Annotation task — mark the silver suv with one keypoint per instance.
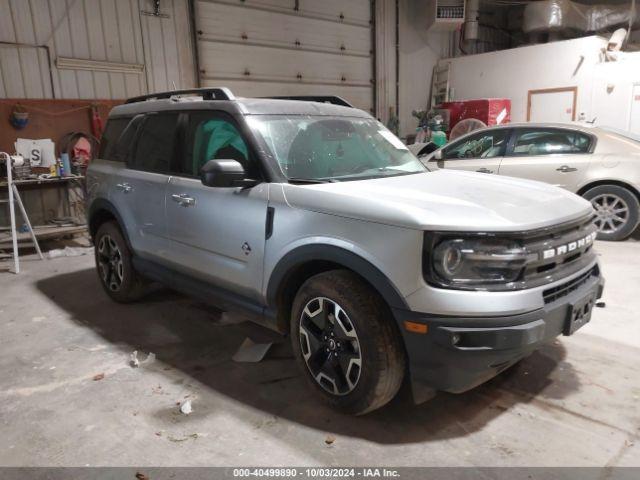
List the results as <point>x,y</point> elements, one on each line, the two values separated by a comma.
<point>315,220</point>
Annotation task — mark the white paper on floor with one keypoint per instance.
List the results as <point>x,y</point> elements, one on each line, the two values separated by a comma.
<point>70,252</point>
<point>251,352</point>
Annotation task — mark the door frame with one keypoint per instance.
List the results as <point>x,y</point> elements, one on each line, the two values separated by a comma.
<point>633,87</point>
<point>542,91</point>
<point>514,134</point>
<point>508,138</point>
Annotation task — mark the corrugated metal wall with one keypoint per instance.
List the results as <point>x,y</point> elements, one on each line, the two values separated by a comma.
<point>112,31</point>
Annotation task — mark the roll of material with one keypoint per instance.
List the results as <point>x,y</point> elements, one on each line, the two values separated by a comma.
<point>66,163</point>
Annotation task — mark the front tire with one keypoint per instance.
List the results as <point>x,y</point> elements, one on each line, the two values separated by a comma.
<point>617,211</point>
<point>113,263</point>
<point>346,342</point>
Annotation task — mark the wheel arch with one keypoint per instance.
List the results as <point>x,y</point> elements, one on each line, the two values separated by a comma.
<point>306,261</point>
<point>100,211</point>
<point>619,183</point>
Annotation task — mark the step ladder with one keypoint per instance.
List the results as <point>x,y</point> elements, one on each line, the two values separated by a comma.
<point>440,90</point>
<point>14,197</point>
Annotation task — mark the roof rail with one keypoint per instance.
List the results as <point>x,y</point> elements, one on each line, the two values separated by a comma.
<point>221,93</point>
<point>317,98</point>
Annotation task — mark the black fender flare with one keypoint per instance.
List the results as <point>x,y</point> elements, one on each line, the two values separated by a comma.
<point>102,204</point>
<point>330,253</point>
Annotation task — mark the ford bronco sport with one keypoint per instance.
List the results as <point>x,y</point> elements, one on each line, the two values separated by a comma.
<point>314,219</point>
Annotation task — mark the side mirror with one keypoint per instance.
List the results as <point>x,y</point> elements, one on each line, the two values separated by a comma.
<point>437,155</point>
<point>225,174</point>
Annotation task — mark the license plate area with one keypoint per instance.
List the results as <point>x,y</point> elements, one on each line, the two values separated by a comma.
<point>579,313</point>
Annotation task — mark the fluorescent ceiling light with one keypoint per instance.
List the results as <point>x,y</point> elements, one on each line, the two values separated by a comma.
<point>66,63</point>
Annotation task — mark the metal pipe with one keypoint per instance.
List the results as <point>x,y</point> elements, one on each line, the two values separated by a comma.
<point>397,112</point>
<point>12,213</point>
<point>194,41</point>
<point>374,53</point>
<point>632,17</point>
<point>471,20</point>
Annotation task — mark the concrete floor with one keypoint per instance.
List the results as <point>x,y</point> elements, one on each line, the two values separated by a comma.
<point>575,402</point>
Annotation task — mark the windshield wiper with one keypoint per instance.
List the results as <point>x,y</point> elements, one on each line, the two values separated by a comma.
<point>371,175</point>
<point>307,180</point>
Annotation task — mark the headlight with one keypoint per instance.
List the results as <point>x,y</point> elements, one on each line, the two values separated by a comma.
<point>475,263</point>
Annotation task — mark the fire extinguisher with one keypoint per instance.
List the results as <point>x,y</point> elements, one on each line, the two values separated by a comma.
<point>96,122</point>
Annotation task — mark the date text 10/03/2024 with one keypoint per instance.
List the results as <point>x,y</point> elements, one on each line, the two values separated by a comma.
<point>317,472</point>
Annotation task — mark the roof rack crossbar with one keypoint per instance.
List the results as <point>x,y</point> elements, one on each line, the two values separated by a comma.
<point>335,100</point>
<point>221,93</point>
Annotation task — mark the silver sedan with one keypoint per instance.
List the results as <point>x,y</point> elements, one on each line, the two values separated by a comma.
<point>600,164</point>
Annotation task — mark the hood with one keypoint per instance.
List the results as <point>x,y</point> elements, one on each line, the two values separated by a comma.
<point>444,200</point>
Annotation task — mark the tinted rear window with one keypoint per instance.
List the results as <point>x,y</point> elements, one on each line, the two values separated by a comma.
<point>155,145</point>
<point>122,149</point>
<point>542,141</point>
<point>112,132</point>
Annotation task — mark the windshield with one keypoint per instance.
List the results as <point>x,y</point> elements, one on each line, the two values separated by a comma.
<point>331,149</point>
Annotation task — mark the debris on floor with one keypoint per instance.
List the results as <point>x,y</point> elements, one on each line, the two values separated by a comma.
<point>182,439</point>
<point>229,319</point>
<point>135,362</point>
<point>601,304</point>
<point>186,407</point>
<point>330,439</point>
<point>70,252</point>
<point>97,377</point>
<point>278,379</point>
<point>158,390</point>
<point>251,352</point>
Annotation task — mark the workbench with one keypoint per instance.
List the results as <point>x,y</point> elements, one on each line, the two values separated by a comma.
<point>47,231</point>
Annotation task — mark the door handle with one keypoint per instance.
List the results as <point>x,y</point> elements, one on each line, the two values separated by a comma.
<point>566,169</point>
<point>124,187</point>
<point>183,199</point>
<point>484,170</point>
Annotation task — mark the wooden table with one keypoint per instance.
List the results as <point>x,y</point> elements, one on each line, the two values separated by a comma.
<point>45,231</point>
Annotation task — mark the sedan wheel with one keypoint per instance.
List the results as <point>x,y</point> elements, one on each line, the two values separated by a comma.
<point>617,211</point>
<point>612,212</point>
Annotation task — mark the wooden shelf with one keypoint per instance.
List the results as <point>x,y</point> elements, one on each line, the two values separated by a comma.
<point>41,181</point>
<point>42,233</point>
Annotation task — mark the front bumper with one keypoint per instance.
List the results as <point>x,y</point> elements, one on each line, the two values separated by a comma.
<point>486,345</point>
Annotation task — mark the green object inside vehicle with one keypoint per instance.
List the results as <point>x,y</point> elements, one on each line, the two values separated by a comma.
<point>213,136</point>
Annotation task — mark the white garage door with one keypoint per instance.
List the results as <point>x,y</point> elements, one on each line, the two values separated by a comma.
<point>287,47</point>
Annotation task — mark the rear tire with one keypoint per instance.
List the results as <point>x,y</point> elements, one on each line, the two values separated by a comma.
<point>113,264</point>
<point>617,211</point>
<point>345,340</point>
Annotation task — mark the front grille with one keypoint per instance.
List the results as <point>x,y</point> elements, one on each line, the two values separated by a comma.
<point>552,294</point>
<point>558,253</point>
